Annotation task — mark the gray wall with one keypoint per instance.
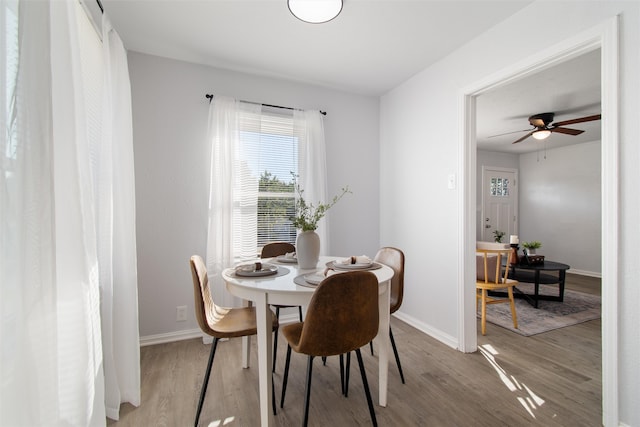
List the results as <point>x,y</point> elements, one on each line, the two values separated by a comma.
<point>560,205</point>
<point>559,202</point>
<point>172,171</point>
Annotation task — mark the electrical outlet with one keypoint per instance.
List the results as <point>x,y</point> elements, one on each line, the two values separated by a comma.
<point>181,313</point>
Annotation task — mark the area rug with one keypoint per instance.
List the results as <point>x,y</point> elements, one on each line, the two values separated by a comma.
<point>577,307</point>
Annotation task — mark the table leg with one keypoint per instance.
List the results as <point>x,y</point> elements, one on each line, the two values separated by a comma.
<point>382,339</point>
<point>246,342</point>
<point>263,315</point>
<point>561,279</point>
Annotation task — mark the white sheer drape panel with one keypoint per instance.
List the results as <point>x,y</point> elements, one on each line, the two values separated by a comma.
<point>117,251</point>
<point>51,352</point>
<point>28,303</point>
<point>67,223</point>
<point>312,164</point>
<point>223,133</point>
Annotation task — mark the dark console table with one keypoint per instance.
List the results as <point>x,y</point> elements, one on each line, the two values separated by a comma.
<point>534,274</point>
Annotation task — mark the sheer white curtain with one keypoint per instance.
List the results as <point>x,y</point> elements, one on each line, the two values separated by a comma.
<point>312,165</point>
<point>117,231</point>
<point>52,350</point>
<point>231,193</point>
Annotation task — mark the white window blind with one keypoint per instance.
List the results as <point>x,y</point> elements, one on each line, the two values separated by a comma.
<point>268,157</point>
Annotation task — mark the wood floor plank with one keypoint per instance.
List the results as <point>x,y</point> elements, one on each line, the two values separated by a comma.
<point>550,379</point>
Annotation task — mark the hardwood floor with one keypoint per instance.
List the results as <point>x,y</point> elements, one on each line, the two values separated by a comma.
<point>550,379</point>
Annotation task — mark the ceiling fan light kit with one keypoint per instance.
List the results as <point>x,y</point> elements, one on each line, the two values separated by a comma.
<point>315,11</point>
<point>541,134</point>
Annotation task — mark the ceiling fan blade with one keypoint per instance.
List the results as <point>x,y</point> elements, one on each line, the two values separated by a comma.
<point>567,131</point>
<point>579,120</point>
<point>523,138</point>
<point>509,133</point>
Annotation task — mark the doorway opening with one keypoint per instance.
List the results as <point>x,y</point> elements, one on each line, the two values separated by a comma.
<point>604,37</point>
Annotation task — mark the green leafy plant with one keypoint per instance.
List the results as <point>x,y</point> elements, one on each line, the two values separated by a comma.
<point>307,215</point>
<point>534,244</point>
<point>498,235</point>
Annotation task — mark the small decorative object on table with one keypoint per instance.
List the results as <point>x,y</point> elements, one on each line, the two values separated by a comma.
<point>513,242</point>
<point>528,259</point>
<point>498,235</point>
<point>532,246</point>
<point>306,219</point>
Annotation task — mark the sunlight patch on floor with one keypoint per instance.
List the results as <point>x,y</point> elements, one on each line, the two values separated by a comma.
<point>527,398</point>
<point>218,423</point>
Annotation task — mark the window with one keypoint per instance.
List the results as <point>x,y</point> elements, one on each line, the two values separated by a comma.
<point>499,187</point>
<point>269,156</point>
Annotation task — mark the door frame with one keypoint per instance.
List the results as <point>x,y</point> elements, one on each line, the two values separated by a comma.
<point>483,207</point>
<point>605,37</point>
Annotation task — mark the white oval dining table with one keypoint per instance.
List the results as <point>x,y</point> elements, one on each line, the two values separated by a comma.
<point>281,289</point>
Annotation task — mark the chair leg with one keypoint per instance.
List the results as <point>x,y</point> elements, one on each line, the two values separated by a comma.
<point>371,346</point>
<point>513,307</point>
<point>285,376</point>
<point>203,390</point>
<point>275,341</point>
<point>366,389</point>
<point>273,396</point>
<point>395,352</point>
<point>307,394</point>
<point>346,375</point>
<point>300,312</point>
<point>342,373</point>
<point>483,309</point>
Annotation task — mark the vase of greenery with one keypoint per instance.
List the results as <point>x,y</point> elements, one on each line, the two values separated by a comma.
<point>532,246</point>
<point>306,220</point>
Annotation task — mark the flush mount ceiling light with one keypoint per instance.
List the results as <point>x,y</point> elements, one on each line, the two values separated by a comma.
<point>315,11</point>
<point>541,134</point>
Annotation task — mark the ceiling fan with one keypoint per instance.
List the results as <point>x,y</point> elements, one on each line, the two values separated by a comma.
<point>543,126</point>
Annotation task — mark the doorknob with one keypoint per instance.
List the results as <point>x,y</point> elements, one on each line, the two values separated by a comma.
<point>487,226</point>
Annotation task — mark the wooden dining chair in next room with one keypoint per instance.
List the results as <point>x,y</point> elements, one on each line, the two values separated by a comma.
<point>271,250</point>
<point>342,316</point>
<point>218,322</point>
<point>492,271</point>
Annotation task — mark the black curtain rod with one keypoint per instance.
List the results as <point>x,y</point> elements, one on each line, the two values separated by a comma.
<point>210,98</point>
<point>100,6</point>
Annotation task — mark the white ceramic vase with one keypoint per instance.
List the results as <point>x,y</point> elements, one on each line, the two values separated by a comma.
<point>308,250</point>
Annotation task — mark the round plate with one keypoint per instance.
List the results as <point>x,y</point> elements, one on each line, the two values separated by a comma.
<point>283,258</point>
<point>357,266</point>
<point>249,270</point>
<point>314,278</point>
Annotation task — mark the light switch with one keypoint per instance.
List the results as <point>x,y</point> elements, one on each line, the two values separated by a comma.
<point>451,182</point>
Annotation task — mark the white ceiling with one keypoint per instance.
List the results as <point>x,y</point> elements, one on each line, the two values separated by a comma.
<point>570,90</point>
<point>370,48</point>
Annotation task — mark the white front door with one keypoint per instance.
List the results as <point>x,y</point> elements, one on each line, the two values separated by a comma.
<point>499,202</point>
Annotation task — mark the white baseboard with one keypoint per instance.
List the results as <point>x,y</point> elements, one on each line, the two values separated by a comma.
<point>423,327</point>
<point>585,273</point>
<point>170,337</point>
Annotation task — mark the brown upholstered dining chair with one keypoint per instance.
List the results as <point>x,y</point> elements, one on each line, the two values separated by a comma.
<point>271,250</point>
<point>492,271</point>
<point>393,258</point>
<point>342,316</point>
<point>218,322</point>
